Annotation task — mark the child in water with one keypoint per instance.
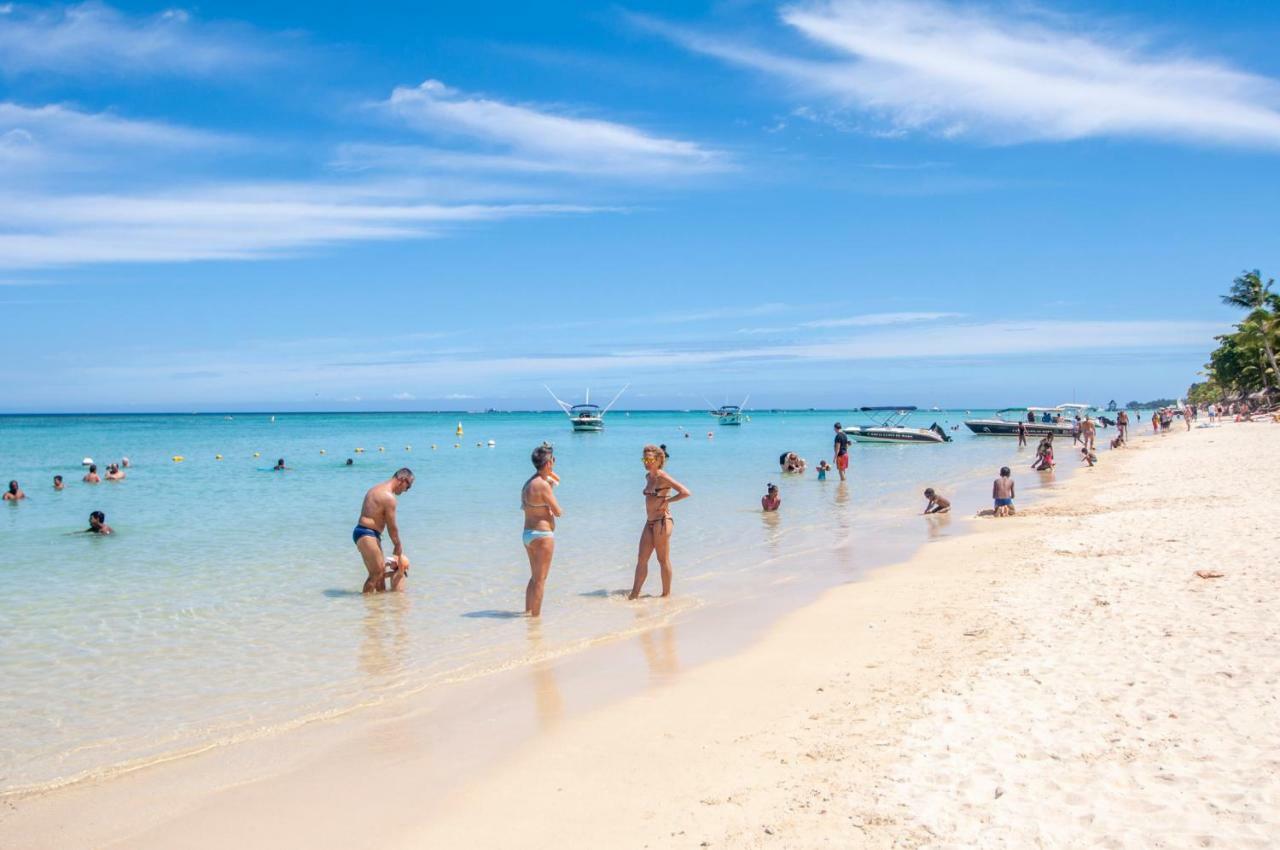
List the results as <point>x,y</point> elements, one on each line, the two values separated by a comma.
<point>823,469</point>
<point>1087,455</point>
<point>1002,493</point>
<point>937,504</point>
<point>771,501</point>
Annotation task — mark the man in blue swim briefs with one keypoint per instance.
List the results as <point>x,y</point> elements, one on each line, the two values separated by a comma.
<point>376,514</point>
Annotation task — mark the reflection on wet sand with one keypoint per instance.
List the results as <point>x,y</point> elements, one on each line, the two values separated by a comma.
<point>937,525</point>
<point>772,522</point>
<point>548,702</point>
<point>659,647</point>
<point>386,637</point>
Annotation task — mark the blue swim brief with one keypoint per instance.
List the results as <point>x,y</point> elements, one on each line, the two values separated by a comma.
<point>361,531</point>
<point>1000,503</point>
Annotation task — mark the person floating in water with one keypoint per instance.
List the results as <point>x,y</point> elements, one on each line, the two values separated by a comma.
<point>1002,492</point>
<point>841,449</point>
<point>937,504</point>
<point>57,482</point>
<point>98,524</point>
<point>378,513</point>
<point>91,477</point>
<point>538,501</point>
<point>280,467</point>
<point>14,493</point>
<point>659,525</point>
<point>350,462</point>
<point>771,501</point>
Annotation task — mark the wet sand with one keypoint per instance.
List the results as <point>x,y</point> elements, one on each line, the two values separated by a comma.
<point>1057,679</point>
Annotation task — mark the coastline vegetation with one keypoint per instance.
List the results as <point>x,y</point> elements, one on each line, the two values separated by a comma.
<point>1244,363</point>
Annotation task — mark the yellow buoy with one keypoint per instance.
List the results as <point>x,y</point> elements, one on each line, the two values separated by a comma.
<point>359,451</point>
<point>459,431</point>
<point>382,448</point>
<point>322,451</point>
<point>257,454</point>
<point>457,445</point>
<point>217,457</point>
<point>433,447</point>
<point>408,448</point>
<point>178,458</point>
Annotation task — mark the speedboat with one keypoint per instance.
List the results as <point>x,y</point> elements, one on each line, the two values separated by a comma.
<point>587,416</point>
<point>728,414</point>
<point>1039,421</point>
<point>887,426</point>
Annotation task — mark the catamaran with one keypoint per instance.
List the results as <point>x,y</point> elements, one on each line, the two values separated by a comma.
<point>587,416</point>
<point>1040,421</point>
<point>887,426</point>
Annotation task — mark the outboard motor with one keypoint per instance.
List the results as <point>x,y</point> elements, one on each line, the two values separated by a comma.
<point>946,438</point>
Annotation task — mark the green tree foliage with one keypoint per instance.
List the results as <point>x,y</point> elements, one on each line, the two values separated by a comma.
<point>1245,360</point>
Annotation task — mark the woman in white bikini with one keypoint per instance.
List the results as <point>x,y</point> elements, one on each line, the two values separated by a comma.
<point>658,527</point>
<point>540,512</point>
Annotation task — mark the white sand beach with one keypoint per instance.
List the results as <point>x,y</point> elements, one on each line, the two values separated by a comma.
<point>1058,679</point>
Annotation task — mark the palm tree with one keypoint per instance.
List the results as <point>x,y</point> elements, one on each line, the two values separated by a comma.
<point>1248,292</point>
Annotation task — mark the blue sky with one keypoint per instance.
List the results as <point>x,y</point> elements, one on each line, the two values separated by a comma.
<point>284,206</point>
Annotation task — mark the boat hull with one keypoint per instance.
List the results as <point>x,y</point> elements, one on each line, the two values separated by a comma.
<point>893,435</point>
<point>1003,428</point>
<point>588,426</point>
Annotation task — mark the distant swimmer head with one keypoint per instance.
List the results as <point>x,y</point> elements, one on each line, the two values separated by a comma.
<point>57,479</point>
<point>403,480</point>
<point>654,457</point>
<point>350,462</point>
<point>97,519</point>
<point>13,486</point>
<point>665,453</point>
<point>1004,472</point>
<point>93,467</point>
<point>543,457</point>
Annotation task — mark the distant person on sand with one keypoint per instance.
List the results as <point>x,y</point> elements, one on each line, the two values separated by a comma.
<point>540,511</point>
<point>14,493</point>
<point>98,524</point>
<point>378,512</point>
<point>1002,493</point>
<point>57,482</point>
<point>1088,432</point>
<point>937,504</point>
<point>841,448</point>
<point>771,501</point>
<point>91,477</point>
<point>659,525</point>
<point>1122,424</point>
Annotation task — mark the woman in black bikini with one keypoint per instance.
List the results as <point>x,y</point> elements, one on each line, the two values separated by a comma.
<point>656,536</point>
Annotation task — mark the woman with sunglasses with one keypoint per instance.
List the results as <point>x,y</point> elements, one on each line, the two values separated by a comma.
<point>659,525</point>
<point>540,511</point>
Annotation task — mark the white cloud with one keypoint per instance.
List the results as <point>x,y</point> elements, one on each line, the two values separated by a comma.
<point>966,70</point>
<point>867,320</point>
<point>236,222</point>
<point>538,138</point>
<point>402,396</point>
<point>95,39</point>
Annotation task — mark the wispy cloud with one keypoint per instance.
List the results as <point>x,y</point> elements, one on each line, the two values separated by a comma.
<point>236,222</point>
<point>868,320</point>
<point>93,38</point>
<point>534,137</point>
<point>1007,76</point>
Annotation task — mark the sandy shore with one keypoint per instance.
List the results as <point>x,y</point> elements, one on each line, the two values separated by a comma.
<point>1059,679</point>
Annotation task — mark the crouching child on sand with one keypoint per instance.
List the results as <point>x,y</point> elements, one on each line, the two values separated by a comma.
<point>937,504</point>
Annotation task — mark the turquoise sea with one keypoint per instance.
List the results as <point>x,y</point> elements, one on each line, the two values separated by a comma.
<point>227,603</point>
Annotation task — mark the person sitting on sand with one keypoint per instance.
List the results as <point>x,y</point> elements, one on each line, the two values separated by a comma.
<point>14,493</point>
<point>1002,492</point>
<point>57,482</point>
<point>91,477</point>
<point>771,501</point>
<point>114,473</point>
<point>378,513</point>
<point>98,524</point>
<point>823,469</point>
<point>937,504</point>
<point>1087,455</point>
<point>655,538</point>
<point>538,501</point>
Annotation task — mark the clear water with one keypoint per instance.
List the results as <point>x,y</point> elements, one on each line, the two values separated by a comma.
<point>227,603</point>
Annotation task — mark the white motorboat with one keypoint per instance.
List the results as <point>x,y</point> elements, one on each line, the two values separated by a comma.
<point>587,416</point>
<point>1039,421</point>
<point>888,426</point>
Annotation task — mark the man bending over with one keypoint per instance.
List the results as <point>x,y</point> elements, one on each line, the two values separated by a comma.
<point>376,514</point>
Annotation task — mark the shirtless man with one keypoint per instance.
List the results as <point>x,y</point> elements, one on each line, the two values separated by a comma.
<point>1002,492</point>
<point>376,514</point>
<point>114,473</point>
<point>937,504</point>
<point>14,493</point>
<point>91,477</point>
<point>57,482</point>
<point>1088,432</point>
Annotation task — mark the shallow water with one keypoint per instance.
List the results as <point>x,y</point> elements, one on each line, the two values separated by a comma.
<point>227,604</point>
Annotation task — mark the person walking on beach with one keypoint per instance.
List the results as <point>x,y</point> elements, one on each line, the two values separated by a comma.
<point>378,513</point>
<point>14,493</point>
<point>1122,424</point>
<point>841,448</point>
<point>1088,432</point>
<point>1002,492</point>
<point>659,525</point>
<point>1022,433</point>
<point>540,511</point>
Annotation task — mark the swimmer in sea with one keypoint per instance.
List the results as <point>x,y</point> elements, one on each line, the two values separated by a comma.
<point>378,513</point>
<point>540,507</point>
<point>771,501</point>
<point>659,525</point>
<point>350,462</point>
<point>57,482</point>
<point>98,524</point>
<point>114,473</point>
<point>14,493</point>
<point>937,504</point>
<point>279,467</point>
<point>1002,492</point>
<point>91,477</point>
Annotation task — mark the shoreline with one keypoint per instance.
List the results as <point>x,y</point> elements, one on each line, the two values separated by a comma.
<point>582,691</point>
